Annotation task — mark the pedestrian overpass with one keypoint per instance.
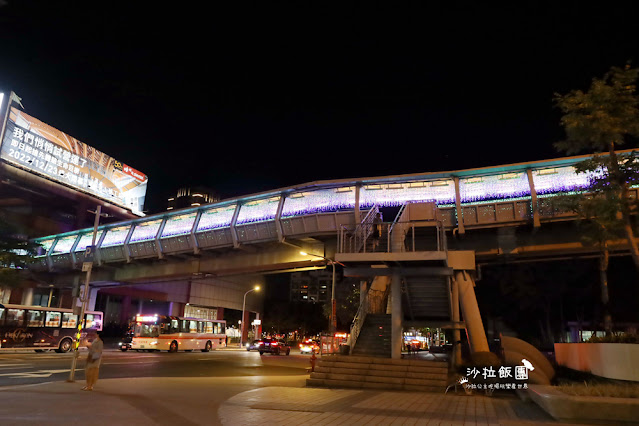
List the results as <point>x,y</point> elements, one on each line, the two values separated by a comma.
<point>424,260</point>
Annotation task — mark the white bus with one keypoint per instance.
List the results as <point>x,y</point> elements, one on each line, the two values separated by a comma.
<point>165,333</point>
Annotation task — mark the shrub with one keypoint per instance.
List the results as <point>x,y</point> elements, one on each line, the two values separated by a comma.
<point>614,390</point>
<point>615,338</point>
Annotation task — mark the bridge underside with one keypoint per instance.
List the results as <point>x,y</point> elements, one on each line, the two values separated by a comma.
<point>219,242</point>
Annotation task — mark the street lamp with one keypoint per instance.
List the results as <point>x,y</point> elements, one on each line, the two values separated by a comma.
<point>333,320</point>
<point>84,297</point>
<point>256,288</point>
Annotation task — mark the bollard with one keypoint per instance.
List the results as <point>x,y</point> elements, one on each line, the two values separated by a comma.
<point>313,360</point>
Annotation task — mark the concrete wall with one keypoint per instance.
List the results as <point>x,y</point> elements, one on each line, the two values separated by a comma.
<point>213,292</point>
<point>612,360</point>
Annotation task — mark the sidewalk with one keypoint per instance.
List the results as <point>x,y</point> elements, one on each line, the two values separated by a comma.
<point>244,401</point>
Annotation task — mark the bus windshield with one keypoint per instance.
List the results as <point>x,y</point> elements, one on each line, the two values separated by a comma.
<point>147,330</point>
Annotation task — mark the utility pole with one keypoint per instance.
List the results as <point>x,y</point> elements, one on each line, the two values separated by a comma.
<point>256,288</point>
<point>84,297</point>
<point>332,323</point>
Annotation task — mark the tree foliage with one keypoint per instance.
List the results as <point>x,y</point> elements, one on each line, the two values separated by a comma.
<point>285,317</point>
<point>346,307</point>
<point>602,119</point>
<point>607,114</point>
<point>537,299</point>
<point>16,252</point>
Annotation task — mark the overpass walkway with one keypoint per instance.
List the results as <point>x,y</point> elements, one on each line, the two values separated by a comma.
<point>503,196</point>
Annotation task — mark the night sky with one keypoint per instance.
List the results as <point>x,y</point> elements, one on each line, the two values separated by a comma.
<point>255,98</point>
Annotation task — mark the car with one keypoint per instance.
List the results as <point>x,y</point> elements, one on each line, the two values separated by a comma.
<point>125,343</point>
<point>309,346</point>
<point>253,346</point>
<point>274,346</point>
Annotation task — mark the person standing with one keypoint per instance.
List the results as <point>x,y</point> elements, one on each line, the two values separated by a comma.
<point>94,358</point>
<point>377,230</point>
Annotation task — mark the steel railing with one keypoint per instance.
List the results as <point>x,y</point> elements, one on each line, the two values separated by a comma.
<point>358,321</point>
<point>394,237</point>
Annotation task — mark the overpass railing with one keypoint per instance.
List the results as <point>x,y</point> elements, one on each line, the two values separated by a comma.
<point>492,196</point>
<point>393,237</point>
<point>189,232</point>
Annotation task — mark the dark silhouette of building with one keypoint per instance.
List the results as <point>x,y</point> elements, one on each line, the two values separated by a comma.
<point>192,197</point>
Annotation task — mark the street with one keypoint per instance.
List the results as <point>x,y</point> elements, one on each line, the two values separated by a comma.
<point>28,367</point>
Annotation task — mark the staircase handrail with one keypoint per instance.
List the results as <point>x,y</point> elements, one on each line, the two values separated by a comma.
<point>358,320</point>
<point>397,217</point>
<point>347,234</point>
<point>391,228</point>
<point>352,239</point>
<point>442,243</point>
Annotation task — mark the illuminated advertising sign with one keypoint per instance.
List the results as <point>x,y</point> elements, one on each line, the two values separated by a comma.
<point>46,151</point>
<point>146,318</point>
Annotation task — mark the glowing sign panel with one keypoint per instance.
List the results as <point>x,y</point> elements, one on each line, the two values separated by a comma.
<point>146,318</point>
<point>46,151</point>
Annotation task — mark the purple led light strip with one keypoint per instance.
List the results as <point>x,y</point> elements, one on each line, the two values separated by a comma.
<point>477,189</point>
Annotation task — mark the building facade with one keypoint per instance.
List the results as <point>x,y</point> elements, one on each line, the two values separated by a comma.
<point>192,197</point>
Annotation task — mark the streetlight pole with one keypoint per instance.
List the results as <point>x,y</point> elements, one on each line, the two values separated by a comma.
<point>256,288</point>
<point>333,320</point>
<point>84,297</point>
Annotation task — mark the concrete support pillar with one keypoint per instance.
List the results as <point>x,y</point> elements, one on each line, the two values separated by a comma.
<point>125,313</point>
<point>358,217</point>
<point>5,295</point>
<point>398,238</point>
<point>258,329</point>
<point>247,326</point>
<point>533,199</point>
<point>396,316</point>
<point>220,313</point>
<point>455,317</point>
<point>459,209</point>
<point>27,297</point>
<point>362,291</point>
<point>474,326</point>
<point>93,294</point>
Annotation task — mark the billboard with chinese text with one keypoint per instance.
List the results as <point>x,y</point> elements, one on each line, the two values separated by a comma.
<point>46,151</point>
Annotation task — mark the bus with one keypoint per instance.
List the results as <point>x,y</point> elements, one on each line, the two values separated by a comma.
<point>40,328</point>
<point>167,333</point>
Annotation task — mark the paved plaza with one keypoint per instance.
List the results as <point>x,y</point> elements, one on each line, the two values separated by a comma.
<point>243,401</point>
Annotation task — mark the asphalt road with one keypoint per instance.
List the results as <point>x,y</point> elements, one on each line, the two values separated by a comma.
<point>27,367</point>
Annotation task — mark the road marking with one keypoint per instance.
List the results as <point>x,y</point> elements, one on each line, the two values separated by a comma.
<point>36,374</point>
<point>5,388</point>
<point>15,365</point>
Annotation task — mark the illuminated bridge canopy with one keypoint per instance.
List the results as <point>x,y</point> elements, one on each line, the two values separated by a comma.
<point>485,197</point>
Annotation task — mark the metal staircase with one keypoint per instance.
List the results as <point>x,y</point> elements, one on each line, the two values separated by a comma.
<point>426,298</point>
<point>375,337</point>
<point>425,295</point>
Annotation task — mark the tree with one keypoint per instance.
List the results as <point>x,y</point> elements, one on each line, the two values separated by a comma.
<point>346,307</point>
<point>531,297</point>
<point>600,224</point>
<point>600,120</point>
<point>16,252</point>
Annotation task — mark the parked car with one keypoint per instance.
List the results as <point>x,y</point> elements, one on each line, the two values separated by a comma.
<point>254,345</point>
<point>274,346</point>
<point>309,346</point>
